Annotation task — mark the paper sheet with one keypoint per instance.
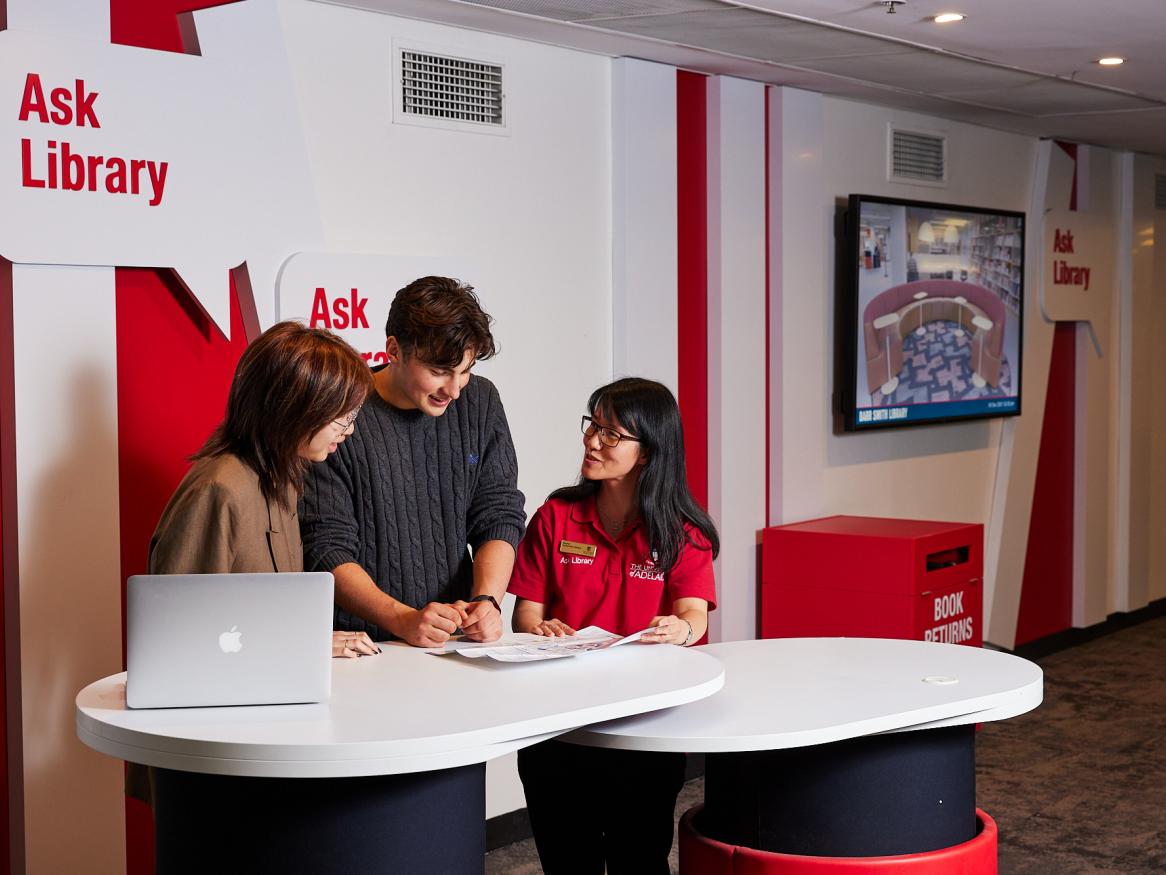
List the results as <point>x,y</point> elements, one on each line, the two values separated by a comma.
<point>525,647</point>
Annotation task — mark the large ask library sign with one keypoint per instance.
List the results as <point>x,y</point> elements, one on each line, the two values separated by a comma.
<point>120,156</point>
<point>1078,271</point>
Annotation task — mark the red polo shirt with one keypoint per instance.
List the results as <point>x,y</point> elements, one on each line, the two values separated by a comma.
<point>619,588</point>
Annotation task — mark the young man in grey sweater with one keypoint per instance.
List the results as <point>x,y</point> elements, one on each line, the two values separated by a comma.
<point>428,470</point>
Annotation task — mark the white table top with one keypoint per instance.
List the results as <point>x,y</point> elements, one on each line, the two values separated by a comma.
<point>404,710</point>
<point>983,322</point>
<point>919,296</point>
<point>794,692</point>
<point>885,320</point>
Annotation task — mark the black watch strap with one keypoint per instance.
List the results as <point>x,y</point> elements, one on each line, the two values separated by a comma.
<point>487,598</point>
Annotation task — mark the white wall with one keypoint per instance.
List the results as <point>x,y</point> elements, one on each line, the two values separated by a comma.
<point>1006,540</point>
<point>736,346</point>
<point>531,208</point>
<point>828,149</point>
<point>70,565</point>
<point>644,215</point>
<point>1147,465</point>
<point>64,375</point>
<point>831,148</point>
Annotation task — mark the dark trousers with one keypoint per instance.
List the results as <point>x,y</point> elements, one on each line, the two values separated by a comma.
<point>593,806</point>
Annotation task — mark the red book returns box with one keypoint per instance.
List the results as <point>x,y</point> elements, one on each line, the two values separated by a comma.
<point>868,577</point>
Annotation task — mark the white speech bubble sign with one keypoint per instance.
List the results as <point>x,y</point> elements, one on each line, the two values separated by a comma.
<point>223,128</point>
<point>1078,271</point>
<point>126,193</point>
<point>350,293</point>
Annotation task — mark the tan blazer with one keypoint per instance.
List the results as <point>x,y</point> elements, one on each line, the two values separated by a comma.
<point>218,521</point>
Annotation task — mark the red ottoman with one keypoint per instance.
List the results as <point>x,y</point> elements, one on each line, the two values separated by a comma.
<point>700,855</point>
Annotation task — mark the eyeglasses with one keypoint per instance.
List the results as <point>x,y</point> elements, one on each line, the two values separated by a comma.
<point>348,421</point>
<point>609,437</point>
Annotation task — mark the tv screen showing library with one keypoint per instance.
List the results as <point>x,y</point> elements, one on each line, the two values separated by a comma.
<point>937,308</point>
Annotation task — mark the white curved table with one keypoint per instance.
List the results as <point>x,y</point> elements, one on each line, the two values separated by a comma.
<point>397,750</point>
<point>838,746</point>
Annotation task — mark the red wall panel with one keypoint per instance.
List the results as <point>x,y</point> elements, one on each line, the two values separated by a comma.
<point>1046,595</point>
<point>8,566</point>
<point>692,274</point>
<point>174,370</point>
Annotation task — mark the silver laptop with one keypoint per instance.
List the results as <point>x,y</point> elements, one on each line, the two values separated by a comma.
<point>228,639</point>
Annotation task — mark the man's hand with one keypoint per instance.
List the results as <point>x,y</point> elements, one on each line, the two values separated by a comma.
<point>483,621</point>
<point>432,625</point>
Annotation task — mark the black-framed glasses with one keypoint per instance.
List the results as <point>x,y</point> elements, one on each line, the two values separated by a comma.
<point>609,437</point>
<point>347,422</point>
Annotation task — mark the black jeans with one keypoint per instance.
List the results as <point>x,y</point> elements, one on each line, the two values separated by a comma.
<point>590,807</point>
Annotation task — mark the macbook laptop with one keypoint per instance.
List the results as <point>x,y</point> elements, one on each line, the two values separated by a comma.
<point>228,639</point>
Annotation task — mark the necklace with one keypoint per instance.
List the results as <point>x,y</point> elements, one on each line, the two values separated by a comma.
<point>614,526</point>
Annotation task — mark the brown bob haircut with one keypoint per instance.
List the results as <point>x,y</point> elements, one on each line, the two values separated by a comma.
<point>437,319</point>
<point>289,383</point>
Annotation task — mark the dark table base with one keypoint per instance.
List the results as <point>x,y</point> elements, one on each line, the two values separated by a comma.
<point>422,822</point>
<point>881,795</point>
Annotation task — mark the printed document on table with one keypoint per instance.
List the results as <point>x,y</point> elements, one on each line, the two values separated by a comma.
<point>525,647</point>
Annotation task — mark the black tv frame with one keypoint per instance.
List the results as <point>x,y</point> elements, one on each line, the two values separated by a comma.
<point>847,317</point>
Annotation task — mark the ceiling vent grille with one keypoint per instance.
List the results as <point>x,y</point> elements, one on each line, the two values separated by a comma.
<point>918,157</point>
<point>452,89</point>
<point>1160,191</point>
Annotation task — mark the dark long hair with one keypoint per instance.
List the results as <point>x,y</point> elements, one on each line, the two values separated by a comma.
<point>648,410</point>
<point>289,383</point>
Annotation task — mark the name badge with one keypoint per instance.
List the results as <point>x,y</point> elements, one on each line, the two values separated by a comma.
<point>577,549</point>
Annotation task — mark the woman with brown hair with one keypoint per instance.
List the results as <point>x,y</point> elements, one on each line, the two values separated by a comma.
<point>293,400</point>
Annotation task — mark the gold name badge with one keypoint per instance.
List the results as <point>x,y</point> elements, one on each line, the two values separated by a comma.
<point>577,549</point>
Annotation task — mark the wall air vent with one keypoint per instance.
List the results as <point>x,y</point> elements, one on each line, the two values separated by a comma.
<point>1160,191</point>
<point>917,157</point>
<point>448,89</point>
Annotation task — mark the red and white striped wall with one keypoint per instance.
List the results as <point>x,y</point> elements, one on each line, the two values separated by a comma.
<point>722,201</point>
<point>745,333</point>
<point>689,283</point>
<point>112,378</point>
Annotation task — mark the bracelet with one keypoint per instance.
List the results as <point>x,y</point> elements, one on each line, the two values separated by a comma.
<point>688,637</point>
<point>489,598</point>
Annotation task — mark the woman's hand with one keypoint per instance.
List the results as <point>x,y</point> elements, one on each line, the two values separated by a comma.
<point>668,630</point>
<point>352,644</point>
<point>552,629</point>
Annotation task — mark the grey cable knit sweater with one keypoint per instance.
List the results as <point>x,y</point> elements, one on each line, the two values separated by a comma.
<point>406,493</point>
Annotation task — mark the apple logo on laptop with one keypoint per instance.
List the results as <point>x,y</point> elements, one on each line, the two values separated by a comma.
<point>231,642</point>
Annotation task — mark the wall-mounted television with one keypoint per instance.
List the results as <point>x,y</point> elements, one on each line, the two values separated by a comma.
<point>931,311</point>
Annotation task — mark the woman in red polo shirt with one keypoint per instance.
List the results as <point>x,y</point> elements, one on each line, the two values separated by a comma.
<point>626,548</point>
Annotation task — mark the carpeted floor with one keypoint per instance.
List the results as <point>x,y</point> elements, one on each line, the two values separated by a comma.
<point>1076,787</point>
<point>1079,785</point>
<point>938,366</point>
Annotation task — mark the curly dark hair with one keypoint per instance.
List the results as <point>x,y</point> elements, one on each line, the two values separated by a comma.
<point>437,319</point>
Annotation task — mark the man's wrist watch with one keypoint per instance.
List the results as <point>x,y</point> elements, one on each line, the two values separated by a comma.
<point>487,598</point>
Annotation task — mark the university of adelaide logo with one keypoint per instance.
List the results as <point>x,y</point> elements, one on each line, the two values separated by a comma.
<point>646,570</point>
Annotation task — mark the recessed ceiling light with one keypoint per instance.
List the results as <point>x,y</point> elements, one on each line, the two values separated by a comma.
<point>1111,62</point>
<point>948,18</point>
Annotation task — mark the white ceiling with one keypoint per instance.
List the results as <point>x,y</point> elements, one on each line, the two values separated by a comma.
<point>1018,65</point>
